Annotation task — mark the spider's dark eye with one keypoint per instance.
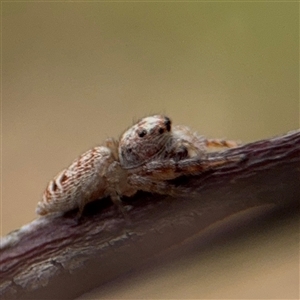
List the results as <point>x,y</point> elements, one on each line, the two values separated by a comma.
<point>168,123</point>
<point>142,133</point>
<point>161,130</point>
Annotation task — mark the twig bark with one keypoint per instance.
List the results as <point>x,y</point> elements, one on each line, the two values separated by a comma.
<point>58,258</point>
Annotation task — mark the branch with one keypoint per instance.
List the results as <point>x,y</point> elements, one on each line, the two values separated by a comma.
<point>43,259</point>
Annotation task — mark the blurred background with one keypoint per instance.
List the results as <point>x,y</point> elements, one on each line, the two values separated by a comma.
<point>74,74</point>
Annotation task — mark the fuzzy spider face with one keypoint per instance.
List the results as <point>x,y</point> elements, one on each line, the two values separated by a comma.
<point>144,141</point>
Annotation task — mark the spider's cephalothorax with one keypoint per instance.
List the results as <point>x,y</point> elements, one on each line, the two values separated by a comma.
<point>153,138</point>
<point>146,140</point>
<point>147,156</point>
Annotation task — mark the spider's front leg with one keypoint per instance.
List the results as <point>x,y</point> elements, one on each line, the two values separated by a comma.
<point>155,176</point>
<point>159,170</point>
<point>215,144</point>
<point>151,185</point>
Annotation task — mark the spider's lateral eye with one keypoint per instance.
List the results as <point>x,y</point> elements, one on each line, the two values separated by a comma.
<point>161,130</point>
<point>168,123</point>
<point>142,133</point>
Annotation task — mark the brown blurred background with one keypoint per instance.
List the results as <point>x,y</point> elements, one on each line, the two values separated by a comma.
<point>74,74</point>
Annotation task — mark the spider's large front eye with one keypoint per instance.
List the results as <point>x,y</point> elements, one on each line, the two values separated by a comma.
<point>161,130</point>
<point>142,133</point>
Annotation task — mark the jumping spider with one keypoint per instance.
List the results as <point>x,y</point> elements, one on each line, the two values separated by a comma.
<point>146,157</point>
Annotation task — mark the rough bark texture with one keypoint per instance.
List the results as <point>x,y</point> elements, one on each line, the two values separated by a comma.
<point>58,258</point>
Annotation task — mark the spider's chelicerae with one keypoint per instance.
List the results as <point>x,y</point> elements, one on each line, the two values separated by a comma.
<point>146,157</point>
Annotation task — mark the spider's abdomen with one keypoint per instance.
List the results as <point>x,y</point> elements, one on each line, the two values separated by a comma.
<point>82,182</point>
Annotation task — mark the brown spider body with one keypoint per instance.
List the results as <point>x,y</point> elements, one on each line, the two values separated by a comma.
<point>147,155</point>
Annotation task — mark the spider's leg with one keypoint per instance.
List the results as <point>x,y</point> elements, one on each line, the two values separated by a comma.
<point>79,213</point>
<point>81,205</point>
<point>170,169</point>
<point>220,143</point>
<point>155,186</point>
<point>116,199</point>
